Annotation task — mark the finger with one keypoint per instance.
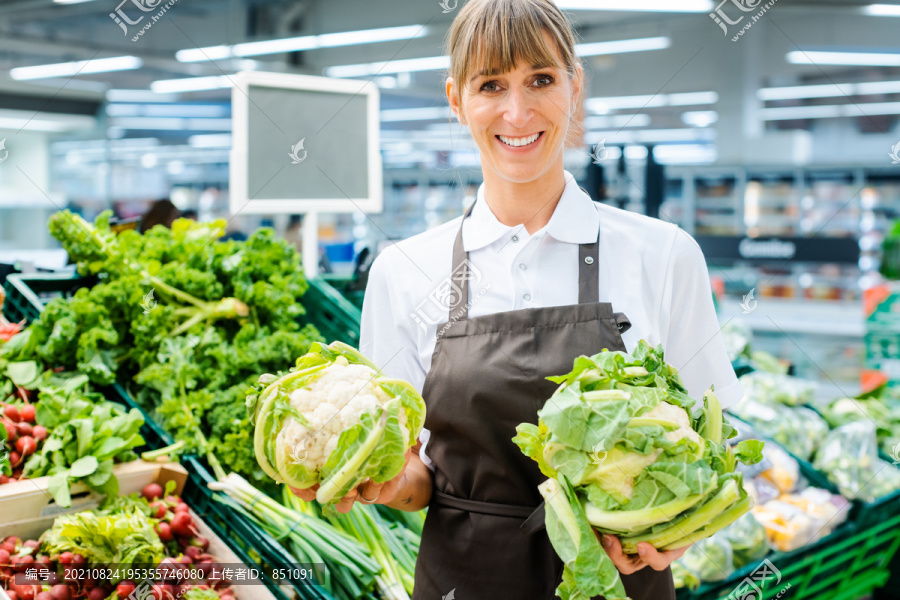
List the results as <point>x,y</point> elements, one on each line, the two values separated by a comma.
<point>625,563</point>
<point>345,504</point>
<point>307,494</point>
<point>658,561</point>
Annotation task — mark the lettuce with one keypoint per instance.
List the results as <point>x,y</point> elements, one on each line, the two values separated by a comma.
<point>627,454</point>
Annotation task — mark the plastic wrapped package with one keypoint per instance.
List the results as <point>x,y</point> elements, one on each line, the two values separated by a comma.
<point>748,540</point>
<point>737,335</point>
<point>684,577</point>
<point>822,505</point>
<point>883,410</point>
<point>761,490</point>
<point>784,473</point>
<point>787,526</point>
<point>778,388</point>
<point>797,428</point>
<point>849,458</point>
<point>710,559</point>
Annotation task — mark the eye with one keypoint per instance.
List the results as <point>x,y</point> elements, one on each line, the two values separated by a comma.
<point>543,80</point>
<point>489,86</point>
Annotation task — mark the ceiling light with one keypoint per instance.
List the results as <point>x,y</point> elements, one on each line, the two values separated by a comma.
<point>430,63</point>
<point>168,110</point>
<point>305,42</point>
<point>694,6</point>
<point>116,95</point>
<point>604,105</point>
<point>42,121</point>
<point>638,136</point>
<point>699,118</point>
<point>830,111</point>
<point>622,46</point>
<point>81,67</point>
<point>882,10</point>
<point>191,84</point>
<point>875,59</point>
<point>415,114</point>
<point>636,120</point>
<point>171,124</point>
<point>829,90</point>
<point>210,140</point>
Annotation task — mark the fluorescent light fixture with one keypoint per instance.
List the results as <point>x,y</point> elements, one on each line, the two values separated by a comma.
<point>81,67</point>
<point>693,6</point>
<point>210,140</point>
<point>636,120</point>
<point>171,124</point>
<point>42,121</point>
<point>830,111</point>
<point>699,118</point>
<point>622,46</point>
<point>168,110</point>
<point>191,84</point>
<point>604,105</point>
<point>70,1</point>
<point>117,95</point>
<point>829,90</point>
<point>875,59</point>
<point>415,114</point>
<point>644,136</point>
<point>429,63</point>
<point>305,42</point>
<point>882,10</point>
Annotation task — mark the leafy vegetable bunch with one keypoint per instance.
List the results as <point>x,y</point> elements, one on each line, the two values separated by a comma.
<point>626,456</point>
<point>190,319</point>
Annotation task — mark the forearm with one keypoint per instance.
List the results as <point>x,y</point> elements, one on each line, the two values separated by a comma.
<point>415,487</point>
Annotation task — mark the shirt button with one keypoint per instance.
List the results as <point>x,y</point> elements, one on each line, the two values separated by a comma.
<point>515,238</point>
<point>522,266</point>
<point>526,297</point>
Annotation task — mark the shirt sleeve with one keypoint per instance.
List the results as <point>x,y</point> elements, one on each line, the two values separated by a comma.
<point>387,335</point>
<point>693,340</point>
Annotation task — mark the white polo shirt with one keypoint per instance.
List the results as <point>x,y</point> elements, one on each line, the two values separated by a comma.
<point>652,271</point>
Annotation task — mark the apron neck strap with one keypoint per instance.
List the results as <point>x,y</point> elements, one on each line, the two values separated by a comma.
<point>588,274</point>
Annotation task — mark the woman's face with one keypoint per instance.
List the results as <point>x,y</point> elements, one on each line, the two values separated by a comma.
<point>519,119</point>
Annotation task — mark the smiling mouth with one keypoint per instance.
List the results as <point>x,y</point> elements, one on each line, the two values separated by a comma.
<point>520,141</point>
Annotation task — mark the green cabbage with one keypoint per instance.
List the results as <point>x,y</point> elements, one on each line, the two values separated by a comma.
<point>334,420</point>
<point>626,455</point>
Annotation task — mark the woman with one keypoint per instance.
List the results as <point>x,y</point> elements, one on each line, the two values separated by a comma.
<point>478,312</point>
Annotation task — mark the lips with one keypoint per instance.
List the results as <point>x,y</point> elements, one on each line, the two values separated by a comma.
<point>518,142</point>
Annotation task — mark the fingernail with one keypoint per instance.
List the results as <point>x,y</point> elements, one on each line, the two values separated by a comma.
<point>606,541</point>
<point>641,550</point>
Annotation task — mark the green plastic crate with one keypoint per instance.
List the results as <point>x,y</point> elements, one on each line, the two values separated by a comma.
<point>336,318</point>
<point>26,295</point>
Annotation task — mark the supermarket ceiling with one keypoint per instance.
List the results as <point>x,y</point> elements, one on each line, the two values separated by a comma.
<point>631,53</point>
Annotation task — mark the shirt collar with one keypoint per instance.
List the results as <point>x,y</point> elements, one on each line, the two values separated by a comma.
<point>575,220</point>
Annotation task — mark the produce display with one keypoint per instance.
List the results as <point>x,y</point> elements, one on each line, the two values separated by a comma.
<point>334,421</point>
<point>849,457</point>
<point>711,559</point>
<point>880,406</point>
<point>797,428</point>
<point>778,387</point>
<point>151,531</point>
<point>370,550</point>
<point>187,321</point>
<point>625,454</point>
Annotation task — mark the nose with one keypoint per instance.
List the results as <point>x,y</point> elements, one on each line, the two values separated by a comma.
<point>517,110</point>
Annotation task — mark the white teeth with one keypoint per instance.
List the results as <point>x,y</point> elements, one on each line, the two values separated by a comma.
<point>519,141</point>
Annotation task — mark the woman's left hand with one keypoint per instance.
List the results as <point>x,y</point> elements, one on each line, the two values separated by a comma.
<point>647,555</point>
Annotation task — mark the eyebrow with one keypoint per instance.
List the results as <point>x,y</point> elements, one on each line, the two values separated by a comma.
<point>489,74</point>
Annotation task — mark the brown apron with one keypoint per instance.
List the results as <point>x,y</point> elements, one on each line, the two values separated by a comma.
<point>484,535</point>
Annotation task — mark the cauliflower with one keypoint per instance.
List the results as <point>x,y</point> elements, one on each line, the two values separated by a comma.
<point>334,420</point>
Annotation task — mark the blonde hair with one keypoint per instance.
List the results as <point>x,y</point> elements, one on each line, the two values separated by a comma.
<point>491,36</point>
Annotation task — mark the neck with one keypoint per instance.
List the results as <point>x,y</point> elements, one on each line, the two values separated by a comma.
<point>530,204</point>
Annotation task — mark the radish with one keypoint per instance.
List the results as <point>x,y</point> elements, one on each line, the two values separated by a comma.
<point>164,531</point>
<point>24,428</point>
<point>27,592</point>
<point>11,433</point>
<point>15,458</point>
<point>33,544</point>
<point>44,596</point>
<point>26,413</point>
<point>4,479</point>
<point>4,557</point>
<point>78,560</point>
<point>157,509</point>
<point>24,562</point>
<point>97,594</point>
<point>152,491</point>
<point>12,595</point>
<point>65,558</point>
<point>191,551</point>
<point>60,592</point>
<point>183,524</point>
<point>39,432</point>
<point>200,542</point>
<point>123,590</point>
<point>182,507</point>
<point>11,412</point>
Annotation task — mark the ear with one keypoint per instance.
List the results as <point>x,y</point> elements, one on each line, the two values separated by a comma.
<point>453,100</point>
<point>577,87</point>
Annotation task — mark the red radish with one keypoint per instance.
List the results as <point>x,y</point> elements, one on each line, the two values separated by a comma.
<point>15,541</point>
<point>173,500</point>
<point>152,491</point>
<point>39,432</point>
<point>78,559</point>
<point>34,544</point>
<point>11,412</point>
<point>44,560</point>
<point>12,595</point>
<point>24,562</point>
<point>164,531</point>
<point>11,433</point>
<point>15,458</point>
<point>60,592</point>
<point>27,592</point>
<point>191,551</point>
<point>24,428</point>
<point>8,546</point>
<point>26,445</point>
<point>183,524</point>
<point>26,413</point>
<point>4,479</point>
<point>200,542</point>
<point>97,594</point>
<point>182,507</point>
<point>124,589</point>
<point>65,558</point>
<point>157,509</point>
<point>157,591</point>
<point>4,558</point>
<point>185,559</point>
<point>44,596</point>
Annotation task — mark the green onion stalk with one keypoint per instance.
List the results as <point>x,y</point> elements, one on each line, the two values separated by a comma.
<point>342,565</point>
